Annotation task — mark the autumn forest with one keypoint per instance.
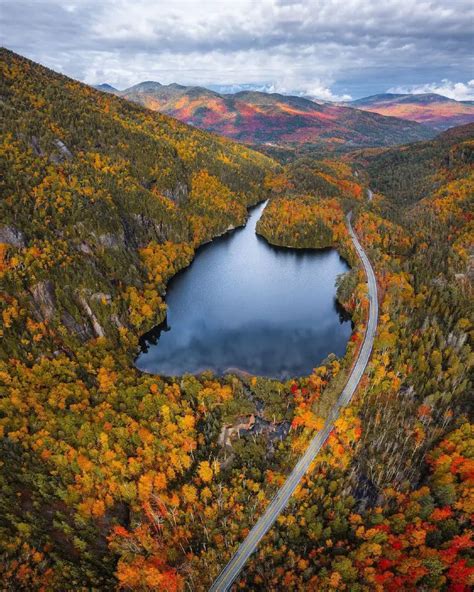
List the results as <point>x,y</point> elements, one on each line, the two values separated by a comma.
<point>115,479</point>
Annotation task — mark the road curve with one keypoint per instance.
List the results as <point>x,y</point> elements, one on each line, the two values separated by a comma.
<point>278,503</point>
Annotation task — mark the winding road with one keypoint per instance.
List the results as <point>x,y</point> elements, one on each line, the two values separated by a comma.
<point>278,503</point>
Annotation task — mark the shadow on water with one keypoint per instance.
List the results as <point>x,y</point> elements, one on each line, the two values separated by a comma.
<point>344,316</point>
<point>243,303</point>
<point>150,338</point>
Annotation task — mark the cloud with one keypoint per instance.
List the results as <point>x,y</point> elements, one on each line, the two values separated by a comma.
<point>319,91</point>
<point>316,89</point>
<point>459,91</point>
<point>328,48</point>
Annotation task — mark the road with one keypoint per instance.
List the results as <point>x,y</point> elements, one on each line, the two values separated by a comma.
<point>278,503</point>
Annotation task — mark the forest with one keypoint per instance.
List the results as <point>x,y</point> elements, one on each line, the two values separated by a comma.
<point>116,480</point>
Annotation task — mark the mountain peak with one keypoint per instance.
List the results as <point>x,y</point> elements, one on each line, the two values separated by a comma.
<point>105,87</point>
<point>145,86</point>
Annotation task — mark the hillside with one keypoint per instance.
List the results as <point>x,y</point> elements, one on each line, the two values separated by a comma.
<point>101,203</point>
<point>387,506</point>
<point>409,173</point>
<point>275,119</point>
<point>431,109</point>
<point>108,176</point>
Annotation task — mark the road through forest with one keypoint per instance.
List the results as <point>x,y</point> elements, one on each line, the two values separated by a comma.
<point>280,500</point>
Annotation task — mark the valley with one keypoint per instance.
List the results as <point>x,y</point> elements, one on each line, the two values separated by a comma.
<point>280,500</point>
<point>306,471</point>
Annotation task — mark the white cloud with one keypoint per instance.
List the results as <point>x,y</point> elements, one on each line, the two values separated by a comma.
<point>326,48</point>
<point>289,85</point>
<point>460,91</point>
<point>322,92</point>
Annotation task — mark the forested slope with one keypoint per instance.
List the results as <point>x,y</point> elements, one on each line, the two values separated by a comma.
<point>101,202</point>
<point>389,504</point>
<point>89,179</point>
<point>411,172</point>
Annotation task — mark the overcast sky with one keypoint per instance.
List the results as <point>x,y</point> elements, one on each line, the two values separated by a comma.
<point>330,49</point>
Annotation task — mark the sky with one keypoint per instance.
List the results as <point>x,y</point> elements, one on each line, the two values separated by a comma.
<point>328,49</point>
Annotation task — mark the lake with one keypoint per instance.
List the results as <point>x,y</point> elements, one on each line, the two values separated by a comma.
<point>244,304</point>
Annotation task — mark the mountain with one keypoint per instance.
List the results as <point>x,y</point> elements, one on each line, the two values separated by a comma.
<point>107,88</point>
<point>101,202</point>
<point>108,132</point>
<point>430,109</point>
<point>275,119</point>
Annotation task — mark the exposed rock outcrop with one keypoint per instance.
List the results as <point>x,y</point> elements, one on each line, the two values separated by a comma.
<point>36,146</point>
<point>12,236</point>
<point>179,194</point>
<point>63,154</point>
<point>110,241</point>
<point>98,330</point>
<point>83,331</point>
<point>149,229</point>
<point>102,297</point>
<point>84,248</point>
<point>44,299</point>
<point>63,148</point>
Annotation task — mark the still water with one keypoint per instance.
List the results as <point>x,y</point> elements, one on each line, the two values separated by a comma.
<point>244,304</point>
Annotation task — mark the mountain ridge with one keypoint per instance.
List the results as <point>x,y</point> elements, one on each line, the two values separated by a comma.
<point>433,109</point>
<point>105,87</point>
<point>275,119</point>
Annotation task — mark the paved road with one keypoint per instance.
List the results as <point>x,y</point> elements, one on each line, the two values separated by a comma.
<point>278,503</point>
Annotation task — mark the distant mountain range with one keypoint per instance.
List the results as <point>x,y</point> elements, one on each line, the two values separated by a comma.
<point>431,109</point>
<point>274,119</point>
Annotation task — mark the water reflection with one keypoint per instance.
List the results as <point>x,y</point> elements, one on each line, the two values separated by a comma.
<point>245,304</point>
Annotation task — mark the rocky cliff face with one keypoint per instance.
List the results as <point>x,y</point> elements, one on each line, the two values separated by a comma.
<point>10,235</point>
